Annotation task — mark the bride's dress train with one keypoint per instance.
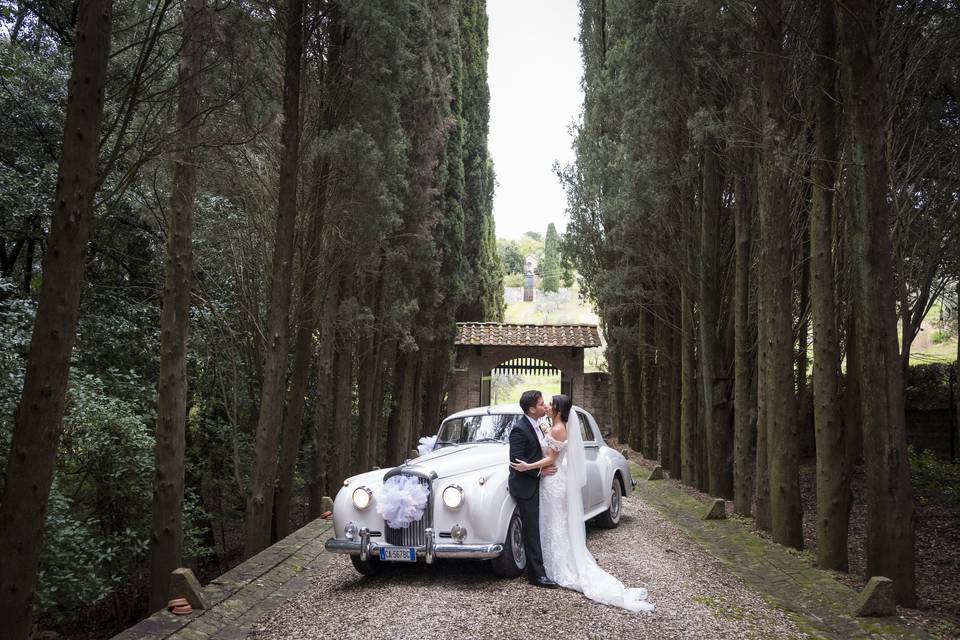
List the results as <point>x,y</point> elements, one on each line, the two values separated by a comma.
<point>566,559</point>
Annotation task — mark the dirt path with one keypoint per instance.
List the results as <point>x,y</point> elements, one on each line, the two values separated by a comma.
<point>696,597</point>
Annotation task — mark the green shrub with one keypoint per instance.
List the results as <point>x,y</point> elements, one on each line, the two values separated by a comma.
<point>16,325</point>
<point>928,386</point>
<point>939,337</point>
<point>78,566</point>
<point>934,479</point>
<point>513,280</point>
<point>97,529</point>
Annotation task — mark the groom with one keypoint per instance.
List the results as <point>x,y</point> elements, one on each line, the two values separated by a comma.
<point>526,444</point>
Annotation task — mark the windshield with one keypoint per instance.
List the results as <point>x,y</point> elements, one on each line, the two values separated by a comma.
<point>485,428</point>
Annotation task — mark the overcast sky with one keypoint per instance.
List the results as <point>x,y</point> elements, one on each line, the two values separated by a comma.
<point>534,74</point>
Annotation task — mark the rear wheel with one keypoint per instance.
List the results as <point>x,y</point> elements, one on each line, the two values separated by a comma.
<point>513,560</point>
<point>368,567</point>
<point>610,518</point>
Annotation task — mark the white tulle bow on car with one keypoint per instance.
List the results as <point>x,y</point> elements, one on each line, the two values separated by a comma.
<point>426,445</point>
<point>402,500</point>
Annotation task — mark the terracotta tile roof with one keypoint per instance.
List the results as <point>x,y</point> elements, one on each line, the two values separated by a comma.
<point>527,335</point>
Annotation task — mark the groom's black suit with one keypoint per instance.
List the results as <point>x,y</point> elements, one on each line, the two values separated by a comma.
<point>525,489</point>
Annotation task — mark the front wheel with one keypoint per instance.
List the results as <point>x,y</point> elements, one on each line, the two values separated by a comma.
<point>610,518</point>
<point>513,560</point>
<point>368,567</point>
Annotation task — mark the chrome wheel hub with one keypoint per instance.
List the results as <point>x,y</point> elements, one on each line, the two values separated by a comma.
<point>516,544</point>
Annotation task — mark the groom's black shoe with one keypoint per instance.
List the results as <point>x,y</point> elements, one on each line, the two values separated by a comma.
<point>545,582</point>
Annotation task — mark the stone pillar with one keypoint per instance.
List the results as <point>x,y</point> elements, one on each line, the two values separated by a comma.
<point>458,396</point>
<point>596,399</point>
<point>528,287</point>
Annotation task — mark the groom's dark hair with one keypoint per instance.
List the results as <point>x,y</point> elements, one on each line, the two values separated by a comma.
<point>529,399</point>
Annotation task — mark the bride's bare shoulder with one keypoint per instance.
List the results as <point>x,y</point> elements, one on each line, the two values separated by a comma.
<point>559,432</point>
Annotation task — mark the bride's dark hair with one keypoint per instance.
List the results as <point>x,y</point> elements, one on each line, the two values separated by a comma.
<point>561,405</point>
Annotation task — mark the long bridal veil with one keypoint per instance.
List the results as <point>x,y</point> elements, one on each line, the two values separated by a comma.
<point>594,582</point>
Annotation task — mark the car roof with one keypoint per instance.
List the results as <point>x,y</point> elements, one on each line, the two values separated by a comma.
<point>493,409</point>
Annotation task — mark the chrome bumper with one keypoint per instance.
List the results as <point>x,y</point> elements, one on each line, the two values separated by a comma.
<point>365,548</point>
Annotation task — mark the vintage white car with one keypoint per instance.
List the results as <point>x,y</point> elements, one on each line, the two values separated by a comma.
<point>467,511</point>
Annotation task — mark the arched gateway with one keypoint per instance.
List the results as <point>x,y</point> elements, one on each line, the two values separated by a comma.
<point>520,348</point>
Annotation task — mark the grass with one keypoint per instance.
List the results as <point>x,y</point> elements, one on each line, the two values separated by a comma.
<point>566,307</point>
<point>943,352</point>
<point>936,321</point>
<point>562,307</point>
<point>510,387</point>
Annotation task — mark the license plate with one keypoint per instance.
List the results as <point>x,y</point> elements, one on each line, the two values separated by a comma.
<point>398,554</point>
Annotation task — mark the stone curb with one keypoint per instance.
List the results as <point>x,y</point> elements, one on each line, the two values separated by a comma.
<point>247,592</point>
<point>818,604</point>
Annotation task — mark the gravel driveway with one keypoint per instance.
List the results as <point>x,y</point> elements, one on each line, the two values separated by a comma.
<point>696,597</point>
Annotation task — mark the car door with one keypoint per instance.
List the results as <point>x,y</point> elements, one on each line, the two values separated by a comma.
<point>594,492</point>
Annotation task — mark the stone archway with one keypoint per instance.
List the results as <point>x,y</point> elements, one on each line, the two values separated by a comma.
<point>483,346</point>
<point>535,367</point>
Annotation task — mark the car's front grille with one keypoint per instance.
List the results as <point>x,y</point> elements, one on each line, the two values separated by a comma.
<point>414,534</point>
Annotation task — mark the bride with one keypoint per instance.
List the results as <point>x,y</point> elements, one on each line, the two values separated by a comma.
<point>566,558</point>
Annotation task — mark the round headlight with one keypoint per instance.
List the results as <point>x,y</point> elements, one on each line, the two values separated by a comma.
<point>452,496</point>
<point>362,497</point>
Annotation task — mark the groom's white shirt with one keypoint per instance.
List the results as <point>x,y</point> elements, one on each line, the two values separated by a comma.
<point>536,428</point>
<point>539,433</point>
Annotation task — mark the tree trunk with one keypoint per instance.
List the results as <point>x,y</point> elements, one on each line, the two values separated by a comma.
<point>320,473</point>
<point>615,358</point>
<point>39,417</point>
<point>369,390</point>
<point>664,376</point>
<point>387,355</point>
<point>805,428</point>
<point>713,383</point>
<point>833,474</point>
<point>401,408</point>
<point>776,349</point>
<point>744,359</point>
<point>702,471</point>
<point>28,258</point>
<point>343,403</point>
<point>435,386</point>
<point>634,386</point>
<point>761,505</point>
<point>688,393</point>
<point>851,392</point>
<point>166,539</point>
<point>675,405</point>
<point>889,495</point>
<point>366,378</point>
<point>302,357</point>
<point>415,416</point>
<point>648,373</point>
<point>259,510</point>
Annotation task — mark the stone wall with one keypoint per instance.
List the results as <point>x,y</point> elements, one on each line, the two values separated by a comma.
<point>473,362</point>
<point>596,399</point>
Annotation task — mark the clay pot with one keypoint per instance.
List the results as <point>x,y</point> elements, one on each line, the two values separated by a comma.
<point>182,610</point>
<point>177,602</point>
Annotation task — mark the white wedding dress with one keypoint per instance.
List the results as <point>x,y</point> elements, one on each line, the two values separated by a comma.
<point>566,559</point>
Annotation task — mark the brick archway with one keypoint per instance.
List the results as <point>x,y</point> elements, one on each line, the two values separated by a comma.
<point>482,346</point>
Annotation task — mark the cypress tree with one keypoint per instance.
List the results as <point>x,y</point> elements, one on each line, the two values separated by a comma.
<point>550,267</point>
